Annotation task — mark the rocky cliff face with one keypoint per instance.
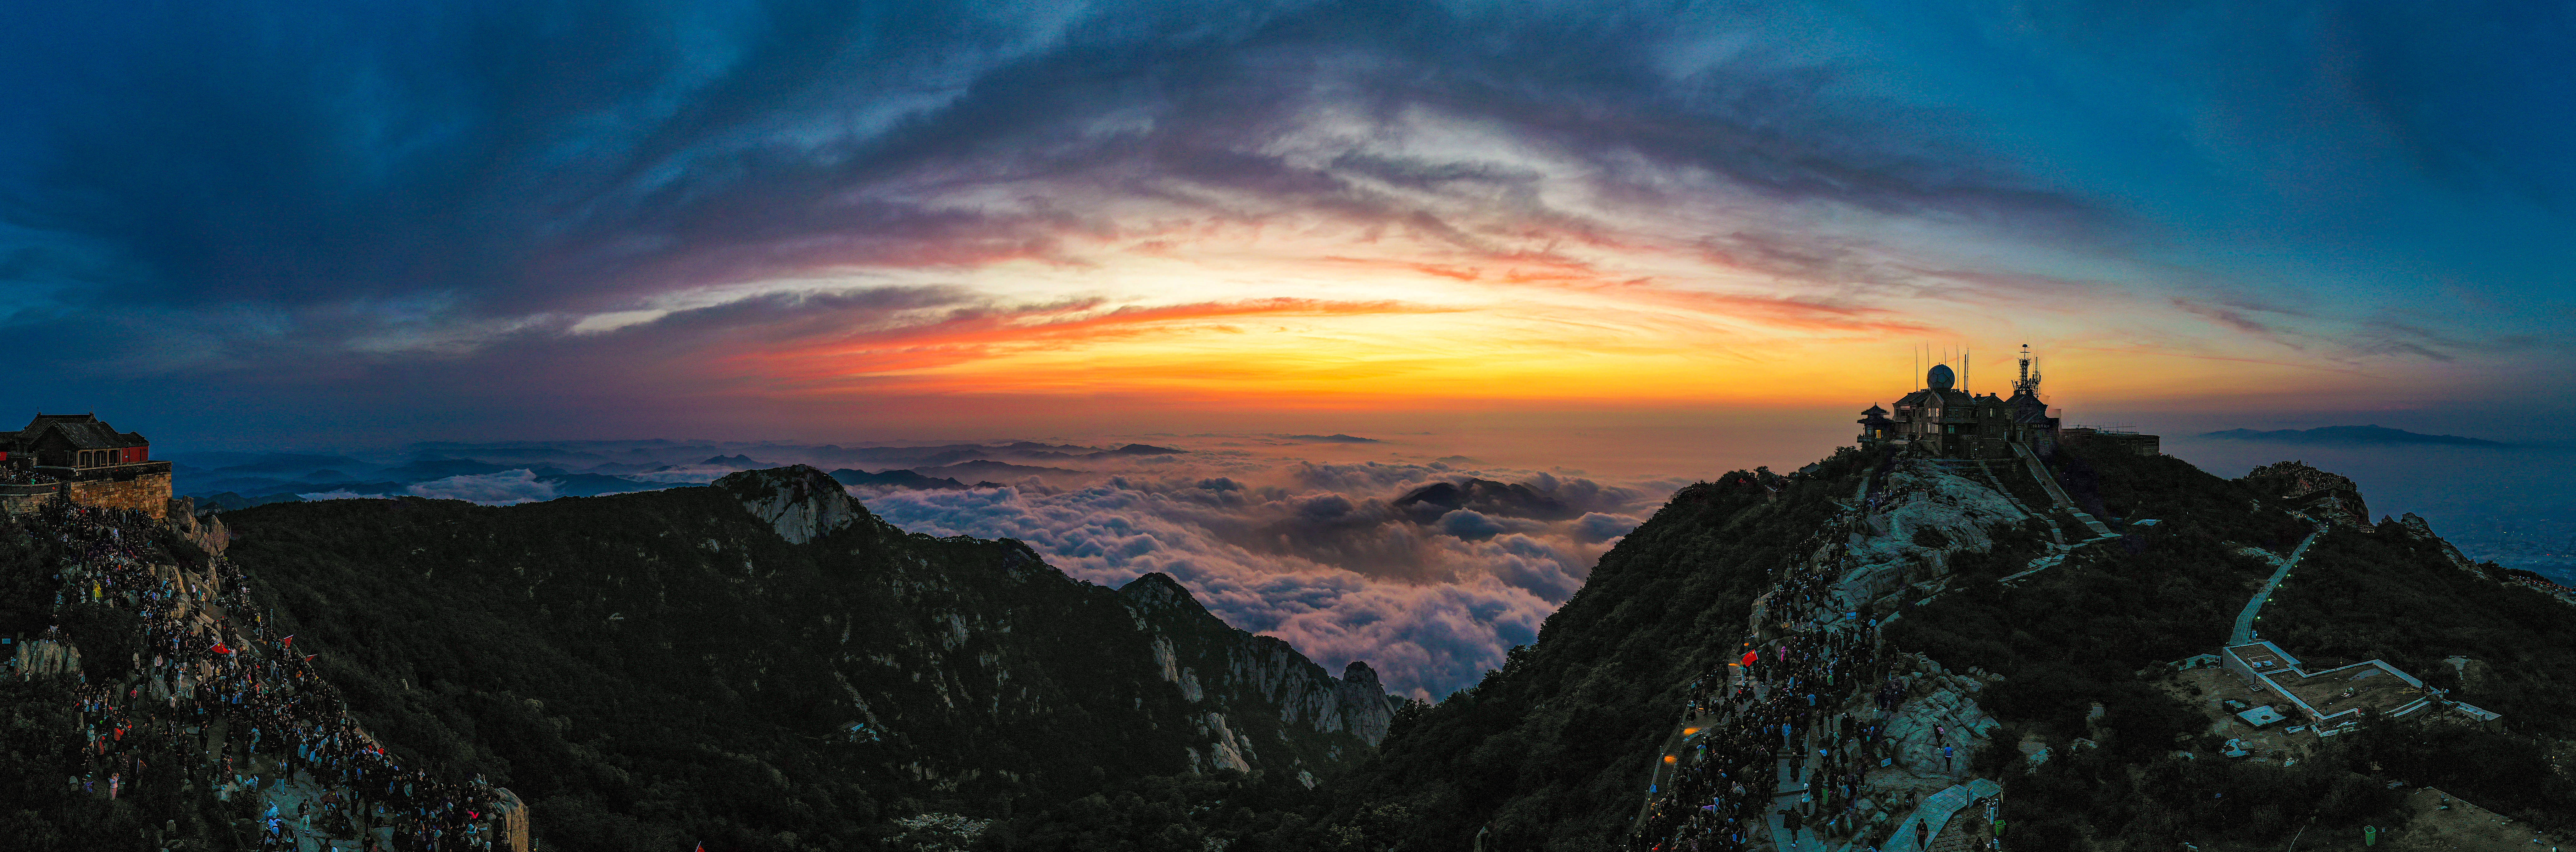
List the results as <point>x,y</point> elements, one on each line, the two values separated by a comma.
<point>207,533</point>
<point>1216,665</point>
<point>800,503</point>
<point>2421,530</point>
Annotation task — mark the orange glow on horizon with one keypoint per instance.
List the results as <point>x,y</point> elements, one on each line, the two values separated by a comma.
<point>1226,318</point>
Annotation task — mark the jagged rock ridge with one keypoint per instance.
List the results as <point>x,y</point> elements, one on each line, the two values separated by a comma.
<point>1238,666</point>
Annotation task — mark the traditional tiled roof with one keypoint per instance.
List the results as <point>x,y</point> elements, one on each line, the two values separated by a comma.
<point>82,431</point>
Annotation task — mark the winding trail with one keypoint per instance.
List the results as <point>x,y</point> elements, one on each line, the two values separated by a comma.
<point>2245,620</point>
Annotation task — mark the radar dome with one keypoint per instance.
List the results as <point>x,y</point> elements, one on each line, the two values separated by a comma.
<point>1940,378</point>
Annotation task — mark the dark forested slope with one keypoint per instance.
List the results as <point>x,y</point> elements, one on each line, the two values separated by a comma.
<point>764,665</point>
<point>1554,747</point>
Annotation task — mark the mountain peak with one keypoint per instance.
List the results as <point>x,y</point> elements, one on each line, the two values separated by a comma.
<point>1487,496</point>
<point>800,502</point>
<point>1358,672</point>
<point>1157,591</point>
<point>1144,450</point>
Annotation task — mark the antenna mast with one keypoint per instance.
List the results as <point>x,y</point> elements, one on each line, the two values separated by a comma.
<point>2029,381</point>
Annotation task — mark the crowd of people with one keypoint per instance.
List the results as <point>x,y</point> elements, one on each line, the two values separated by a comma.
<point>210,667</point>
<point>1780,710</point>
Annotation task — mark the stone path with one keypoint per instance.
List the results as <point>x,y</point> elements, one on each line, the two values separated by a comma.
<point>1785,795</point>
<point>1935,812</point>
<point>2244,631</point>
<point>2055,559</point>
<point>287,796</point>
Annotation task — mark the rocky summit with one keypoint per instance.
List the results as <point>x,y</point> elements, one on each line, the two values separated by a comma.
<point>2090,648</point>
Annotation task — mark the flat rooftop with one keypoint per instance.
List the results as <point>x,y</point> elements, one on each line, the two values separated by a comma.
<point>2368,686</point>
<point>2261,656</point>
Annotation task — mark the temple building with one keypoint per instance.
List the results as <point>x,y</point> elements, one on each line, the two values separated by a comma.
<point>82,459</point>
<point>1942,420</point>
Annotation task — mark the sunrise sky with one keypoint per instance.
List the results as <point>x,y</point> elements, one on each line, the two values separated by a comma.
<point>849,221</point>
<point>1603,247</point>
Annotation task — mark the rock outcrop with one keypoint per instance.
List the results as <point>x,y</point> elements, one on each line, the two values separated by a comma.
<point>207,532</point>
<point>1365,710</point>
<point>1941,710</point>
<point>800,502</point>
<point>1235,668</point>
<point>46,656</point>
<point>1926,515</point>
<point>2328,497</point>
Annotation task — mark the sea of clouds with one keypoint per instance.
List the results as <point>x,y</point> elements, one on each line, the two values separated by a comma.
<point>1303,538</point>
<point>1315,552</point>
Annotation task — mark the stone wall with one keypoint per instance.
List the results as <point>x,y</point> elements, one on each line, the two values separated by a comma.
<point>148,493</point>
<point>21,499</point>
<point>514,823</point>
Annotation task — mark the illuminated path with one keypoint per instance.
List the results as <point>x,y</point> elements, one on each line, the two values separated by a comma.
<point>2245,620</point>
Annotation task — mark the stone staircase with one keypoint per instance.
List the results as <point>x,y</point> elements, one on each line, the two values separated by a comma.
<point>1935,812</point>
<point>2058,495</point>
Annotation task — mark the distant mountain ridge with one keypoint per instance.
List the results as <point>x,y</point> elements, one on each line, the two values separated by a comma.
<point>905,479</point>
<point>1486,496</point>
<point>231,480</point>
<point>2371,435</point>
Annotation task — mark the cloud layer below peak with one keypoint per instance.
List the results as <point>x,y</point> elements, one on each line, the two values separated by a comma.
<point>1322,554</point>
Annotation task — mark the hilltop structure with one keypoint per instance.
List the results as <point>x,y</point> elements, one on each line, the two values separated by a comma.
<point>1945,421</point>
<point>2337,698</point>
<point>82,459</point>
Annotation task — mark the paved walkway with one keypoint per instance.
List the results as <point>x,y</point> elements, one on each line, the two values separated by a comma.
<point>1785,797</point>
<point>2245,620</point>
<point>1935,812</point>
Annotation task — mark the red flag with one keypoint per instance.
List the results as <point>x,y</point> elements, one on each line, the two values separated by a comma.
<point>1750,656</point>
<point>220,649</point>
<point>290,640</point>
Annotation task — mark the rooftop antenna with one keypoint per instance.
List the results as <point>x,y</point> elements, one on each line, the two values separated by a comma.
<point>2029,381</point>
